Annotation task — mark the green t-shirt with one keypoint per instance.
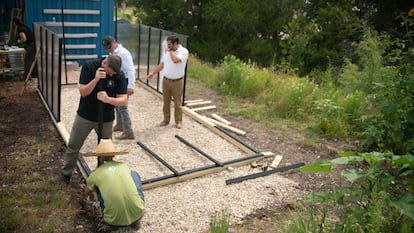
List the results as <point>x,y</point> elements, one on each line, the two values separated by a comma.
<point>123,205</point>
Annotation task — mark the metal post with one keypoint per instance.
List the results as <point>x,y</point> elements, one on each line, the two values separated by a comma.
<point>265,173</point>
<point>100,119</point>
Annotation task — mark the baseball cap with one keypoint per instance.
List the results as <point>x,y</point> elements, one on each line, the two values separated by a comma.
<point>107,42</point>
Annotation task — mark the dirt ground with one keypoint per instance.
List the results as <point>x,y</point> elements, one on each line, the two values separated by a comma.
<point>25,116</point>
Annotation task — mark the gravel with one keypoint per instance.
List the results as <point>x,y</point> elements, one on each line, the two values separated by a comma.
<point>186,206</point>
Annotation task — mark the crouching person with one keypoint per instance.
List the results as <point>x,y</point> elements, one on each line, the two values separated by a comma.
<point>119,191</point>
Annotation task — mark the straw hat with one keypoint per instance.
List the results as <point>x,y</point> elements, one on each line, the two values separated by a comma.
<point>105,148</point>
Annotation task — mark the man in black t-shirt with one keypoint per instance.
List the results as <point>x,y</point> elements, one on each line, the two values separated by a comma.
<point>102,85</point>
<point>26,36</point>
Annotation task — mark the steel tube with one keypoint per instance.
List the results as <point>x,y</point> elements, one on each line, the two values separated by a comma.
<point>199,151</point>
<point>85,166</point>
<point>236,138</point>
<point>176,173</point>
<point>265,173</point>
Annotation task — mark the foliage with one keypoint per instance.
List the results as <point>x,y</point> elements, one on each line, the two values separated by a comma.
<point>220,223</point>
<point>311,35</point>
<point>242,80</point>
<point>14,42</point>
<point>380,197</point>
<point>315,222</point>
<point>319,37</point>
<point>365,99</point>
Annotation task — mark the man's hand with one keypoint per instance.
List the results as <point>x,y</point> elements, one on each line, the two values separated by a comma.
<point>130,91</point>
<point>100,73</point>
<point>150,75</point>
<point>103,96</point>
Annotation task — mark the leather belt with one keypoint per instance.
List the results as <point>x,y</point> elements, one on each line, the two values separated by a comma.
<point>173,80</point>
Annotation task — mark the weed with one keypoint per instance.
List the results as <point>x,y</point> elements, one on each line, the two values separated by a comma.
<point>221,223</point>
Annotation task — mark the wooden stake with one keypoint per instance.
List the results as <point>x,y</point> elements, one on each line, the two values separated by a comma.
<point>198,103</point>
<point>204,108</point>
<point>30,72</point>
<point>210,125</point>
<point>276,161</point>
<point>192,101</point>
<point>219,118</point>
<point>228,127</point>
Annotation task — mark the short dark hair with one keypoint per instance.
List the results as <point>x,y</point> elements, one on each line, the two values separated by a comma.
<point>114,62</point>
<point>173,39</point>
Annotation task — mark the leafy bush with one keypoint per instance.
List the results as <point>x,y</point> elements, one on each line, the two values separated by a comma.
<point>380,197</point>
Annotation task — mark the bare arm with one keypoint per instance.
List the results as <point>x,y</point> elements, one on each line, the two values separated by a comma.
<point>86,89</point>
<point>174,57</point>
<point>119,100</point>
<point>157,69</point>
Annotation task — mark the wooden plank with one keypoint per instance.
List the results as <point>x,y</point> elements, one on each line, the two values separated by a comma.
<point>63,132</point>
<point>276,161</point>
<point>29,74</point>
<point>91,154</point>
<point>204,108</point>
<point>193,101</point>
<point>221,119</point>
<point>228,127</point>
<point>198,103</point>
<point>201,119</point>
<point>149,89</point>
<point>200,173</point>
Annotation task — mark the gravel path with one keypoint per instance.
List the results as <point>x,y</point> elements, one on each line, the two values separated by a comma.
<point>186,206</point>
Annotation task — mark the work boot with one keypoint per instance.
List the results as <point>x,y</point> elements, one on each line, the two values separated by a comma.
<point>117,129</point>
<point>125,136</point>
<point>60,179</point>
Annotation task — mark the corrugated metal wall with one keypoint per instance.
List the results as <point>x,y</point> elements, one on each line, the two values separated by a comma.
<point>86,22</point>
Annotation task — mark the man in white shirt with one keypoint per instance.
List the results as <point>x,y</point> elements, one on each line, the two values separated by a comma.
<point>173,64</point>
<point>123,121</point>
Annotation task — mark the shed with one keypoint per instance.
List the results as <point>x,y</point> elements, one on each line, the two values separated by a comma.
<point>82,23</point>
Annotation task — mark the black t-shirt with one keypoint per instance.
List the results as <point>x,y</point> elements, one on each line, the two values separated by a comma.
<point>29,34</point>
<point>89,105</point>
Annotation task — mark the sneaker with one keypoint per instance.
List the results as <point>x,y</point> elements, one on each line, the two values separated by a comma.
<point>60,179</point>
<point>125,136</point>
<point>117,129</point>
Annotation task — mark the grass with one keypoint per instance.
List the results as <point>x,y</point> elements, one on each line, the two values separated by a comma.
<point>277,108</point>
<point>28,201</point>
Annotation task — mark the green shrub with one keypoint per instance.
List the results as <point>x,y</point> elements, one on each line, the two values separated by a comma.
<point>380,195</point>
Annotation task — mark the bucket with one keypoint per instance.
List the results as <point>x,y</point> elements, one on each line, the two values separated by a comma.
<point>16,60</point>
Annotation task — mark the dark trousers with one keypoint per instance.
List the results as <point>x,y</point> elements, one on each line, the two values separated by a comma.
<point>29,57</point>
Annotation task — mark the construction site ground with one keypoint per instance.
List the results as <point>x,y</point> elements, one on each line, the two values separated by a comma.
<point>186,206</point>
